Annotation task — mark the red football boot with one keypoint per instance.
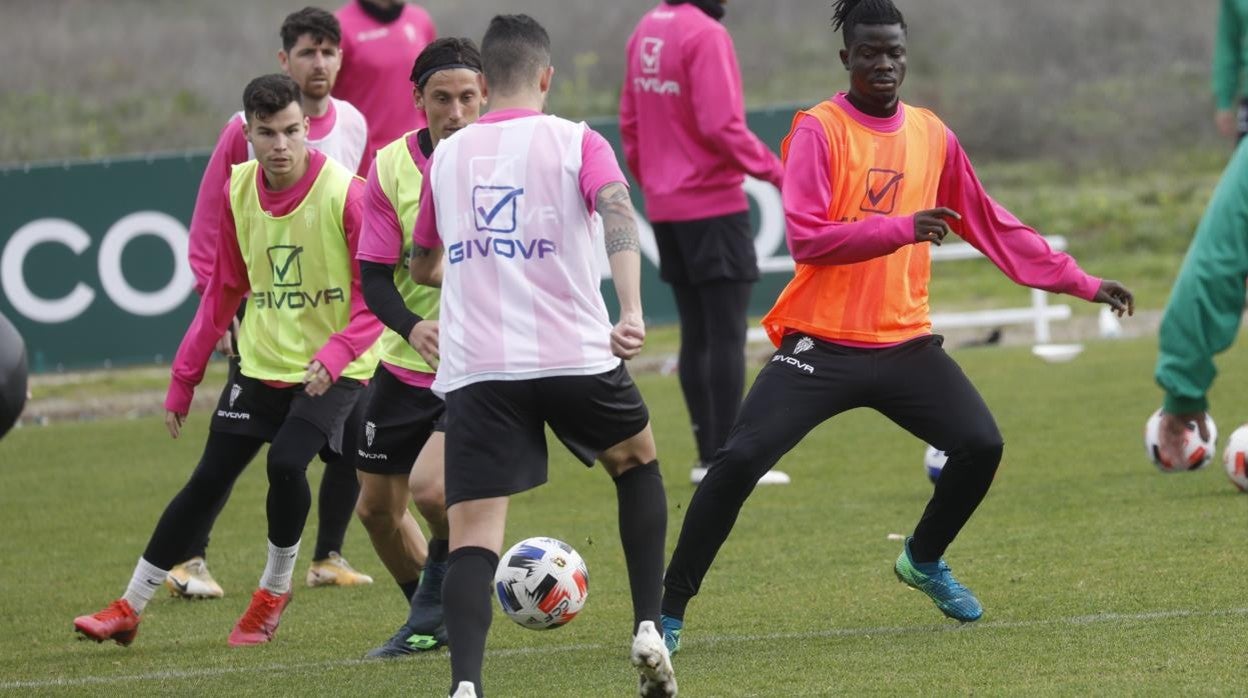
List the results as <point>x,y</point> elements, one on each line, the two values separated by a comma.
<point>259,622</point>
<point>117,622</point>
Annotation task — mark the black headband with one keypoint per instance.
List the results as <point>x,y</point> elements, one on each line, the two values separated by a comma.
<point>424,77</point>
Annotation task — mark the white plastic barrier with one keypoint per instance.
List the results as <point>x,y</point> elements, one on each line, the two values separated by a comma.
<point>1039,314</point>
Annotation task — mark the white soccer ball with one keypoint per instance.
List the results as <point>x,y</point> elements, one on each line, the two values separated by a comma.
<point>934,462</point>
<point>1196,452</point>
<point>541,583</point>
<point>1235,458</point>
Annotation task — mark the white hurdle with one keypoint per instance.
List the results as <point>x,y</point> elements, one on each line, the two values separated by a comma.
<point>1039,313</point>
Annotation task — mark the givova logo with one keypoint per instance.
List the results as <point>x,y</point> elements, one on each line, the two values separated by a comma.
<point>499,206</point>
<point>651,53</point>
<point>494,208</point>
<point>284,261</point>
<point>883,186</point>
<point>287,270</point>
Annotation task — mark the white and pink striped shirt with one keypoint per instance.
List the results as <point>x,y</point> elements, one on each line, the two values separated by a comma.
<point>511,199</point>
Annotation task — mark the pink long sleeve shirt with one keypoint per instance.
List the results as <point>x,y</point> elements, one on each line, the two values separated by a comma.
<point>682,118</point>
<point>228,285</point>
<point>1018,250</point>
<point>376,71</point>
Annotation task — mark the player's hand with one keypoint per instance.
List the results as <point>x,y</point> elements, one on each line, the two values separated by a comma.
<point>932,225</point>
<point>1116,296</point>
<point>225,345</point>
<point>174,422</point>
<point>317,380</point>
<point>628,337</point>
<point>1172,434</point>
<point>424,339</point>
<point>1225,120</point>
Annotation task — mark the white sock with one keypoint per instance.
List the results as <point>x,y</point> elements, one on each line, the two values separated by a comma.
<point>147,578</point>
<point>279,568</point>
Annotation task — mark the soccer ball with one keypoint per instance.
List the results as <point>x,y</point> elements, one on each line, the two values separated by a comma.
<point>541,583</point>
<point>933,462</point>
<point>12,375</point>
<point>1196,452</point>
<point>1235,458</point>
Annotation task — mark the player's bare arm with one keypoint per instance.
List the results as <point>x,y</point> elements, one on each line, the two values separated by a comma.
<point>426,266</point>
<point>623,244</point>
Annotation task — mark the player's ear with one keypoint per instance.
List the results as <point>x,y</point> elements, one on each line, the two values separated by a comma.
<point>485,90</point>
<point>418,98</point>
<point>547,76</point>
<point>845,58</point>
<point>283,59</point>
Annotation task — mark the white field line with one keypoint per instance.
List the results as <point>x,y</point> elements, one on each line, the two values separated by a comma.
<point>698,640</point>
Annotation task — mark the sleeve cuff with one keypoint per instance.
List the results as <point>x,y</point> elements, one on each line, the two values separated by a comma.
<point>1087,288</point>
<point>405,330</point>
<point>1184,405</point>
<point>903,230</point>
<point>178,397</point>
<point>334,356</point>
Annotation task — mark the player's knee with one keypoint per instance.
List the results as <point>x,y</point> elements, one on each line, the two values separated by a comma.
<point>981,450</point>
<point>428,496</point>
<point>284,468</point>
<point>375,515</point>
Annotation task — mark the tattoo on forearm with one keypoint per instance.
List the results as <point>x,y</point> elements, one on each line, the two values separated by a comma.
<point>622,240</point>
<point>619,222</point>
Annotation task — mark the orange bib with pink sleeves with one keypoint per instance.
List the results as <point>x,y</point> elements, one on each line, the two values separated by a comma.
<point>881,300</point>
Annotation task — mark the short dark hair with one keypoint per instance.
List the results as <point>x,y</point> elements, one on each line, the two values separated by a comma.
<point>269,94</point>
<point>447,52</point>
<point>848,14</point>
<point>514,48</point>
<point>319,24</point>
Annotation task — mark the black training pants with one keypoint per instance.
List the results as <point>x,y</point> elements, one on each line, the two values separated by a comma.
<point>225,457</point>
<point>808,381</point>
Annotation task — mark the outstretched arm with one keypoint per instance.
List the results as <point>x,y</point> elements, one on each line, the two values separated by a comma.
<point>623,245</point>
<point>1016,249</point>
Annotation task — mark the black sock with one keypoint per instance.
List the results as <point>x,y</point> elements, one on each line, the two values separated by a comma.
<point>643,531</point>
<point>335,506</point>
<point>466,600</point>
<point>409,589</point>
<point>439,548</point>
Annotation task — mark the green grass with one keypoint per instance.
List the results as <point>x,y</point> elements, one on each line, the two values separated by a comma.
<point>1098,574</point>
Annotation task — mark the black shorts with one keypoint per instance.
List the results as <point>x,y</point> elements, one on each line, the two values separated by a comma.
<point>496,436</point>
<point>248,407</point>
<point>710,249</point>
<point>398,419</point>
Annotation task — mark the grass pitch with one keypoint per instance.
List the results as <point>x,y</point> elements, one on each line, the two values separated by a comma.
<point>1098,574</point>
